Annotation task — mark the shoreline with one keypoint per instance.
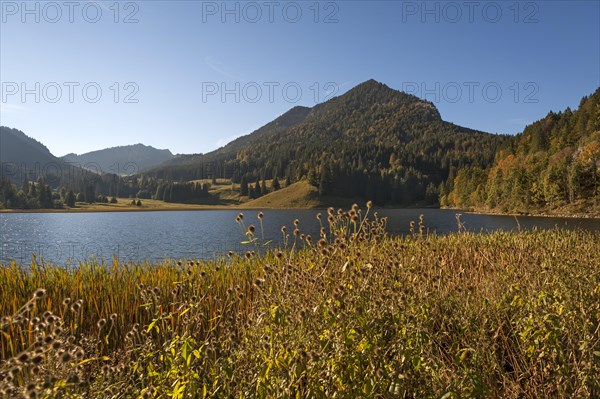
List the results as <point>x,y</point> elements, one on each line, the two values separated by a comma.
<point>240,207</point>
<point>166,209</point>
<point>545,215</point>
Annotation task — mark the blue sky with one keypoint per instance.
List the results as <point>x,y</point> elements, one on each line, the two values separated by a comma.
<point>192,75</point>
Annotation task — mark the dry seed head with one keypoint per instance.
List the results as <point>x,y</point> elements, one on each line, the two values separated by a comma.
<point>23,357</point>
<point>65,357</point>
<point>39,293</point>
<point>260,215</point>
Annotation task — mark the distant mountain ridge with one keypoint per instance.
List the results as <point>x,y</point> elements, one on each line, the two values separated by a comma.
<point>121,160</point>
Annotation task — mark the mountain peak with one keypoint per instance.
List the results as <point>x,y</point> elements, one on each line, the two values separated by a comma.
<point>373,93</point>
<point>371,83</point>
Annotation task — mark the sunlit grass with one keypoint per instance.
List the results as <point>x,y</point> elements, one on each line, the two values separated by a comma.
<point>352,313</point>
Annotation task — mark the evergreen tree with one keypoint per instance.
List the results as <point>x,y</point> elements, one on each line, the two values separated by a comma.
<point>313,179</point>
<point>244,187</point>
<point>263,188</point>
<point>45,197</point>
<point>257,190</point>
<point>89,194</point>
<point>325,180</point>
<point>275,184</point>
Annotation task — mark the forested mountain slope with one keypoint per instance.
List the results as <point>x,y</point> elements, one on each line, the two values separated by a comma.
<point>553,166</point>
<point>371,142</point>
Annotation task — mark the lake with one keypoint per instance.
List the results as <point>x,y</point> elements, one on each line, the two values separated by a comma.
<point>66,238</point>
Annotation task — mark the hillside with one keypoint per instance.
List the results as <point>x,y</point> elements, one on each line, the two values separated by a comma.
<point>553,167</point>
<point>371,142</point>
<point>123,160</point>
<point>18,148</point>
<point>24,157</point>
<point>289,119</point>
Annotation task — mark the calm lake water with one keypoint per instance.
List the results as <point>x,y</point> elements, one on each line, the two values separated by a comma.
<point>66,238</point>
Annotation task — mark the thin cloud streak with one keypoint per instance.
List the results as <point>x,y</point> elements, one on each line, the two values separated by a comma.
<point>213,64</point>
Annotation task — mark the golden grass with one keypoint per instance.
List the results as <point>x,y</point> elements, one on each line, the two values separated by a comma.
<point>353,313</point>
<point>297,195</point>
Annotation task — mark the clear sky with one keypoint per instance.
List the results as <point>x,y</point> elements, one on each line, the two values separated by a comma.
<point>192,75</point>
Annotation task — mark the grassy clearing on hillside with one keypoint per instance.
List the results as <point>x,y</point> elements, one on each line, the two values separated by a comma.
<point>297,195</point>
<point>353,313</point>
<point>223,195</point>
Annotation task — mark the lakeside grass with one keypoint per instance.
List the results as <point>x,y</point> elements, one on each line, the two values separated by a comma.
<point>353,313</point>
